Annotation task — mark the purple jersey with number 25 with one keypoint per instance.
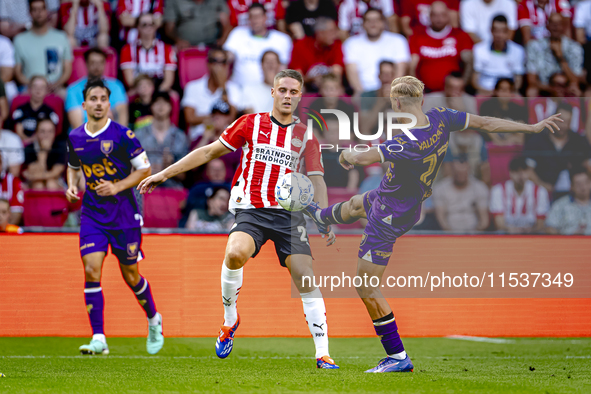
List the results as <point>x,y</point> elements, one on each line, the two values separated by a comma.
<point>395,206</point>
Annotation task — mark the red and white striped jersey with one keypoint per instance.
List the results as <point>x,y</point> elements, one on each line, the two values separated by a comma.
<point>519,210</point>
<point>239,11</point>
<point>529,14</point>
<point>11,190</point>
<point>135,8</point>
<point>269,151</point>
<point>86,29</point>
<point>152,62</point>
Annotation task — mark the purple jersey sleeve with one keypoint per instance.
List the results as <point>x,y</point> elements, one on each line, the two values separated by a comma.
<point>132,144</point>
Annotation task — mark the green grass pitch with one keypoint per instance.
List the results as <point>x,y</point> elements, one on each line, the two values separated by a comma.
<point>272,365</point>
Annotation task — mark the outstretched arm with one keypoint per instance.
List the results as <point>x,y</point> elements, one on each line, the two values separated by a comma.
<point>489,124</point>
<point>352,158</point>
<point>194,159</point>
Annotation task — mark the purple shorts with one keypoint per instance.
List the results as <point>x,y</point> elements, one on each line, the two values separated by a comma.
<point>386,221</point>
<point>125,243</point>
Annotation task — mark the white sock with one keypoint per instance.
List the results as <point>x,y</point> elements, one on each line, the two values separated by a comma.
<point>315,313</point>
<point>154,320</point>
<point>100,337</point>
<point>398,356</point>
<point>231,284</point>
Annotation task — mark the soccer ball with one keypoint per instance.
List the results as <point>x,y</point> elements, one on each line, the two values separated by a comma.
<point>294,191</point>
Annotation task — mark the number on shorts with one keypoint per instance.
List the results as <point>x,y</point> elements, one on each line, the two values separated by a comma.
<point>304,234</point>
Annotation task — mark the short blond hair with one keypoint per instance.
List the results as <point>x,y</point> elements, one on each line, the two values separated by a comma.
<point>407,88</point>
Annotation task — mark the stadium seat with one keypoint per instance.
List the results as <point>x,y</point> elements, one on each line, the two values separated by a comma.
<point>192,65</point>
<point>53,101</point>
<point>537,108</point>
<point>499,157</point>
<point>45,208</point>
<point>176,106</point>
<point>79,65</point>
<point>162,207</point>
<point>338,194</point>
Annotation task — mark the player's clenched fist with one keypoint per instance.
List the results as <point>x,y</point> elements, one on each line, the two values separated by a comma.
<point>151,182</point>
<point>72,194</point>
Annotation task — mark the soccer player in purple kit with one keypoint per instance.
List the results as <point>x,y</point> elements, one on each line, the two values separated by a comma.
<point>108,153</point>
<point>395,206</point>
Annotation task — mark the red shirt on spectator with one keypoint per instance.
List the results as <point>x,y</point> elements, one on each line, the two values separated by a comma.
<point>151,62</point>
<point>239,11</point>
<point>11,190</point>
<point>135,8</point>
<point>86,21</point>
<point>439,54</point>
<point>309,57</point>
<point>529,14</point>
<point>351,13</point>
<point>418,12</point>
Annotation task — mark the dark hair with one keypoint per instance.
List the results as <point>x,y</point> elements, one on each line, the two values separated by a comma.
<point>161,95</point>
<point>501,80</point>
<point>564,106</point>
<point>499,18</point>
<point>137,21</point>
<point>95,83</point>
<point>576,170</point>
<point>34,1</point>
<point>257,5</point>
<point>518,163</point>
<point>371,9</point>
<point>215,49</point>
<point>96,50</point>
<point>455,74</point>
<point>270,52</point>
<point>385,62</point>
<point>210,192</point>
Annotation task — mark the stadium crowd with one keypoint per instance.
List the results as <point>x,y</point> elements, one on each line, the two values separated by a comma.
<point>181,71</point>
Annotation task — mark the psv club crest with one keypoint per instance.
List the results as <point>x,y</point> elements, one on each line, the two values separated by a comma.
<point>107,146</point>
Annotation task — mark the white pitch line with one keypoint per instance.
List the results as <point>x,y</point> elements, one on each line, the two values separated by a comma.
<point>480,339</point>
<point>455,358</point>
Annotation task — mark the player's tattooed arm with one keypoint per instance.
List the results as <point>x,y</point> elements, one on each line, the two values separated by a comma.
<point>351,158</point>
<point>489,124</point>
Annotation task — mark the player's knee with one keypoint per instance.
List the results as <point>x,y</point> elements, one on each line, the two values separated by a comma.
<point>130,275</point>
<point>92,273</point>
<point>235,258</point>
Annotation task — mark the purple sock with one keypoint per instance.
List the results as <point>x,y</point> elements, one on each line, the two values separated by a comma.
<point>388,334</point>
<point>143,293</point>
<point>95,306</point>
<point>332,214</point>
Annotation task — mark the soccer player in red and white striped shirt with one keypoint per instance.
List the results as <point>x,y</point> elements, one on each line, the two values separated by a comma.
<point>273,144</point>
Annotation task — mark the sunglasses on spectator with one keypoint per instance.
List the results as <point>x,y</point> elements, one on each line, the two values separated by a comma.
<point>147,24</point>
<point>216,61</point>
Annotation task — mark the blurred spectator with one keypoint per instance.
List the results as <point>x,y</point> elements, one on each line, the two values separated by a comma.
<point>553,54</point>
<point>46,162</point>
<point>376,101</point>
<point>43,50</point>
<point>440,50</point>
<point>274,8</point>
<point>201,94</point>
<point>364,52</point>
<point>320,55</point>
<point>331,93</point>
<point>519,206</point>
<point>95,60</point>
<point>533,14</point>
<point>11,191</point>
<point>26,117</point>
<point>215,218</point>
<point>571,215</point>
<point>470,145</point>
<point>337,176</point>
<point>129,10</point>
<point>5,226</point>
<point>149,55</point>
<point>501,105</point>
<point>416,15</point>
<point>543,107</point>
<point>15,17</point>
<point>215,172</point>
<point>387,70</point>
<point>196,22</point>
<point>86,22</point>
<point>12,151</point>
<point>351,15</point>
<point>453,96</point>
<point>257,97</point>
<point>165,143</point>
<point>246,46</point>
<point>7,67</point>
<point>476,17</point>
<point>4,109</point>
<point>140,111</point>
<point>497,58</point>
<point>582,21</point>
<point>554,154</point>
<point>461,201</point>
<point>301,16</point>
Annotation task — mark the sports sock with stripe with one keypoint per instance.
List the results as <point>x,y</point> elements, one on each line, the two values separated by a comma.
<point>387,330</point>
<point>143,293</point>
<point>95,305</point>
<point>231,284</point>
<point>315,314</point>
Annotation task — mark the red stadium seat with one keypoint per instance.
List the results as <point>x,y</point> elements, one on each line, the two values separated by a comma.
<point>53,101</point>
<point>192,65</point>
<point>176,106</point>
<point>79,66</point>
<point>499,157</point>
<point>162,207</point>
<point>45,208</point>
<point>338,194</point>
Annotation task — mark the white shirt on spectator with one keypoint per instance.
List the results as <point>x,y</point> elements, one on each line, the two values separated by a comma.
<point>367,55</point>
<point>493,65</point>
<point>248,50</point>
<point>582,18</point>
<point>476,16</point>
<point>7,60</point>
<point>351,13</point>
<point>201,99</point>
<point>258,97</point>
<point>519,210</point>
<point>12,150</point>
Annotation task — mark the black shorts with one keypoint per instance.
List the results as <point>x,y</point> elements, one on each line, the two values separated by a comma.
<point>286,229</point>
